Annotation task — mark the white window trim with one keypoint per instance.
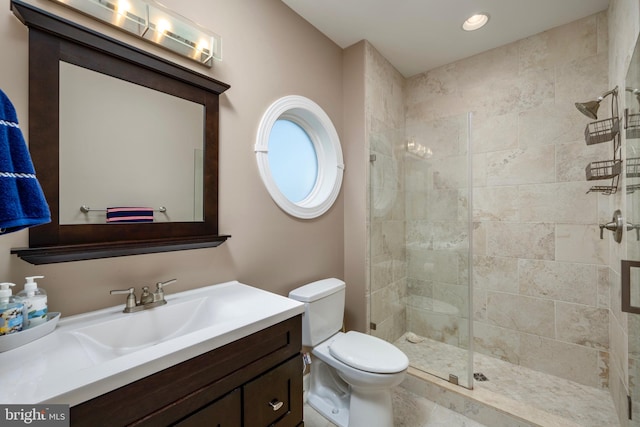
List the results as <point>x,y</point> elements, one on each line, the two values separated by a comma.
<point>317,124</point>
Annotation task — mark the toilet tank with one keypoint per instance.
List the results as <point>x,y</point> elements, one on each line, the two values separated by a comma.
<point>323,309</point>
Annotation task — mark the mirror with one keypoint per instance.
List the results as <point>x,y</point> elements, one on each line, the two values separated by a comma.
<point>61,55</point>
<point>630,270</point>
<point>634,295</point>
<point>133,163</point>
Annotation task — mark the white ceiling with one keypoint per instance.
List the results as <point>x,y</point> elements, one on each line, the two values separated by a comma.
<point>419,35</point>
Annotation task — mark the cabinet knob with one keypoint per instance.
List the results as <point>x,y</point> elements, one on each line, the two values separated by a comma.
<point>276,404</point>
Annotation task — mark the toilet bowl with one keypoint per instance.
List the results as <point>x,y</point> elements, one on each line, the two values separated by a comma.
<point>352,373</point>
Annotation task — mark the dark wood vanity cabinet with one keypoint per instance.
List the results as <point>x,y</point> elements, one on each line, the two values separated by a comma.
<point>253,382</point>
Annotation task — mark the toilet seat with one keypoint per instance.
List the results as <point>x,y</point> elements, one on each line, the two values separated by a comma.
<point>368,353</point>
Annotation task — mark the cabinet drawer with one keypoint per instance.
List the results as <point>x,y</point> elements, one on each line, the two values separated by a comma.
<point>224,412</point>
<point>275,398</point>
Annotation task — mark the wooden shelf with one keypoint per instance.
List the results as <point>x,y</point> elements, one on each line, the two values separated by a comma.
<point>57,254</point>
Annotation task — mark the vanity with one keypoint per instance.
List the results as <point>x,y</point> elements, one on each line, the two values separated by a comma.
<point>226,354</point>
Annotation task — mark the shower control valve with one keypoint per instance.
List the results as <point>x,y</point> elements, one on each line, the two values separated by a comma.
<point>616,225</point>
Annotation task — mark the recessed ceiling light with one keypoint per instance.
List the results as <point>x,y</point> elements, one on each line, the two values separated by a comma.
<point>476,21</point>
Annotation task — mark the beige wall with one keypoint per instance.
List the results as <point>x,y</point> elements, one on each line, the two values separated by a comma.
<point>268,52</point>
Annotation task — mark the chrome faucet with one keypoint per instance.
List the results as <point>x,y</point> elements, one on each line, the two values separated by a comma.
<point>147,299</point>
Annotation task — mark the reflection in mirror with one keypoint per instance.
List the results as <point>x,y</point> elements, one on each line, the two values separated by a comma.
<point>634,282</point>
<point>147,153</point>
<point>632,133</point>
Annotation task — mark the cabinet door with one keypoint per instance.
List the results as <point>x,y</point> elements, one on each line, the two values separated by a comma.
<point>275,398</point>
<point>224,412</point>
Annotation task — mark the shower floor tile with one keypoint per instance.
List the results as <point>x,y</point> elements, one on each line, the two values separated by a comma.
<point>510,386</point>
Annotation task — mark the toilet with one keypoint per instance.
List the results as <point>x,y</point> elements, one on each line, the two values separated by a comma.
<point>352,373</point>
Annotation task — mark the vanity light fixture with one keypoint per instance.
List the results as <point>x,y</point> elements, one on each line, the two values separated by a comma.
<point>155,23</point>
<point>475,22</point>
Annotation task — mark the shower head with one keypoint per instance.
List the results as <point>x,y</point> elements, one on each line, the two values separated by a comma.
<point>590,108</point>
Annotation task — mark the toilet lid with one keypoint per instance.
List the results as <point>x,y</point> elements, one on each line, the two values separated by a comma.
<point>368,353</point>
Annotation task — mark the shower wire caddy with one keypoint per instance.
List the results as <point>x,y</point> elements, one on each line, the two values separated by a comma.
<point>632,171</point>
<point>633,167</point>
<point>632,131</point>
<point>600,131</point>
<point>632,124</point>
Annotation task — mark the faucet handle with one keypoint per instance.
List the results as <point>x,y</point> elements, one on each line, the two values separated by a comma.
<point>161,285</point>
<point>131,298</point>
<point>158,295</point>
<point>129,291</point>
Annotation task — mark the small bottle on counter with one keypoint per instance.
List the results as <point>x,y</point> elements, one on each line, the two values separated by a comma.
<point>35,303</point>
<point>11,308</point>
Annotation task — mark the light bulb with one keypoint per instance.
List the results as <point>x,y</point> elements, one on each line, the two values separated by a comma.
<point>475,22</point>
<point>163,26</point>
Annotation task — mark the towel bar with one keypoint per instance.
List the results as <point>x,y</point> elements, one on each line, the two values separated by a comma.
<point>87,209</point>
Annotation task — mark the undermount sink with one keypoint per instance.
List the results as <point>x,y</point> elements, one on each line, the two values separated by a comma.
<point>91,353</point>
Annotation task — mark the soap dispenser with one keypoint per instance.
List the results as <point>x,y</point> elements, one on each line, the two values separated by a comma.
<point>35,302</point>
<point>11,308</point>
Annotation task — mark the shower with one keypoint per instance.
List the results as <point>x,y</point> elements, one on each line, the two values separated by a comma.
<point>484,250</point>
<point>464,277</point>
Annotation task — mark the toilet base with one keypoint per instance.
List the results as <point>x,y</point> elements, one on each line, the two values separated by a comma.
<point>337,414</point>
<point>361,409</point>
<point>329,394</point>
<point>345,405</point>
<point>370,408</point>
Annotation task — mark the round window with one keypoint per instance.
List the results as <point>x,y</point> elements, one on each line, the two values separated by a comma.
<point>292,160</point>
<point>299,157</point>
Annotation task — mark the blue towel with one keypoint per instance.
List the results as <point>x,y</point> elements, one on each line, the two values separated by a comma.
<point>22,202</point>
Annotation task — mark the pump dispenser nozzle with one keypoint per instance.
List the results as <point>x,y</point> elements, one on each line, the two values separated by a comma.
<point>5,292</point>
<point>30,285</point>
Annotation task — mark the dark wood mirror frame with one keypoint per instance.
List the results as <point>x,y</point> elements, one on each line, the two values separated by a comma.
<point>52,39</point>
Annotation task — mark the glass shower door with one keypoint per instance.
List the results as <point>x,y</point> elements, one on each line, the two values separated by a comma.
<point>421,244</point>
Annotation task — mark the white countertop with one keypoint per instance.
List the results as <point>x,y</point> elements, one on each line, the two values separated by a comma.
<point>63,368</point>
